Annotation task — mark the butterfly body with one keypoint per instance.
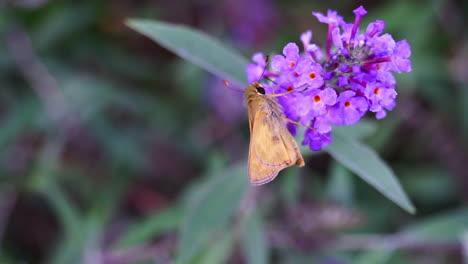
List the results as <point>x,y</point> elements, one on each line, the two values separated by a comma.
<point>272,147</point>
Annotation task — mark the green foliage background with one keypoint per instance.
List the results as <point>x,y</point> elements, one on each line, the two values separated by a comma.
<point>111,151</point>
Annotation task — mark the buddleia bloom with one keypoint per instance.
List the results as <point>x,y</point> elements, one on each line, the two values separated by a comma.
<point>339,84</point>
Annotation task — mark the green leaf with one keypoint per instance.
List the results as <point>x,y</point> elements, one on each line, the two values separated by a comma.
<point>209,54</point>
<point>340,185</point>
<point>444,227</point>
<point>219,251</point>
<point>21,117</point>
<point>290,185</point>
<point>73,238</point>
<point>210,208</point>
<point>367,164</point>
<point>428,184</point>
<point>62,23</point>
<point>255,244</point>
<point>152,226</point>
<point>196,47</point>
<point>363,129</point>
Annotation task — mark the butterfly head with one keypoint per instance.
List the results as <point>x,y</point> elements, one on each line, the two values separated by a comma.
<point>254,89</point>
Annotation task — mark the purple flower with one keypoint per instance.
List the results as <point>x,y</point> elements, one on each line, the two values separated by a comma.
<point>307,73</point>
<point>359,12</point>
<point>333,20</point>
<point>292,128</point>
<point>328,75</point>
<point>320,100</point>
<point>380,98</point>
<point>375,28</point>
<point>288,61</point>
<point>381,47</point>
<point>345,39</point>
<point>226,103</point>
<point>255,70</point>
<point>306,37</point>
<point>337,38</point>
<point>311,49</point>
<point>322,124</point>
<point>292,108</point>
<point>354,77</point>
<point>349,109</point>
<point>315,140</point>
<point>343,81</point>
<point>332,17</point>
<point>400,61</point>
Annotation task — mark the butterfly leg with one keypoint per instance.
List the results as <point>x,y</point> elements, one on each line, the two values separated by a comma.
<point>297,123</point>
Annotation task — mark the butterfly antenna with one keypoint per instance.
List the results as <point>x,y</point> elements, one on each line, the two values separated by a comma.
<point>232,88</point>
<point>290,91</point>
<point>268,78</point>
<point>264,69</point>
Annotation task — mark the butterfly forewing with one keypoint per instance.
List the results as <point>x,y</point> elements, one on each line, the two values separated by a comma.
<point>272,148</point>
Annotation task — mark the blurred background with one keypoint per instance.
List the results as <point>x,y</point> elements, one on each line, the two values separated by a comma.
<point>114,150</point>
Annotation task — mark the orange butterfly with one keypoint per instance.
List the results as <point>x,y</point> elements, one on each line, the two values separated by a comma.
<point>272,147</point>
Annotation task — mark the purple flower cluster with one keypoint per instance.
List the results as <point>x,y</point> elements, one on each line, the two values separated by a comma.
<point>338,86</point>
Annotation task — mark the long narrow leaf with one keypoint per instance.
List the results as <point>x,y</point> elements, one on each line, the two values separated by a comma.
<point>210,209</point>
<point>365,162</point>
<point>254,240</point>
<point>196,47</point>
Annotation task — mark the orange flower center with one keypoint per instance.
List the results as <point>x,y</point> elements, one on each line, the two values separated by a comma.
<point>378,66</point>
<point>312,75</point>
<point>317,98</point>
<point>377,91</point>
<point>296,74</point>
<point>290,88</point>
<point>292,64</point>
<point>347,104</point>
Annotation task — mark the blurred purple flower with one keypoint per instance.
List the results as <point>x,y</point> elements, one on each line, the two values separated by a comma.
<point>400,61</point>
<point>332,17</point>
<point>250,28</point>
<point>354,76</point>
<point>226,103</point>
<point>255,70</point>
<point>252,22</point>
<point>311,49</point>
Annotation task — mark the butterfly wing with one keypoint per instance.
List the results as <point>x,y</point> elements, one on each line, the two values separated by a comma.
<point>272,148</point>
